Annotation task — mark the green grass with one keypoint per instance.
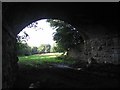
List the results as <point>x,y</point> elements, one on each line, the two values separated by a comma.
<point>42,59</point>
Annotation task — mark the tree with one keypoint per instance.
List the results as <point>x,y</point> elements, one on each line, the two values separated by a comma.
<point>33,25</point>
<point>47,48</point>
<point>57,48</point>
<point>23,49</point>
<point>41,48</point>
<point>22,46</point>
<point>44,48</point>
<point>23,38</point>
<point>66,35</point>
<point>34,50</point>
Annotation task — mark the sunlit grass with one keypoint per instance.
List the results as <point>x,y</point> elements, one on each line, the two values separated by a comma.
<point>41,59</point>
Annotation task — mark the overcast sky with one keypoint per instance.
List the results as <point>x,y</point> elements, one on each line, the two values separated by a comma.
<point>39,36</point>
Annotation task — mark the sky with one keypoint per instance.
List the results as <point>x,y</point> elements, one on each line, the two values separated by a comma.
<point>39,36</point>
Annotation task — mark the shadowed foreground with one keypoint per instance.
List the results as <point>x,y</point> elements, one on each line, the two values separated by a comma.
<point>55,76</point>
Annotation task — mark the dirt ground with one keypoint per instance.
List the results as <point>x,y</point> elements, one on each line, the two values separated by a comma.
<point>55,77</point>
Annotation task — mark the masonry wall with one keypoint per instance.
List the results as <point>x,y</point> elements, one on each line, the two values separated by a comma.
<point>9,59</point>
<point>102,49</point>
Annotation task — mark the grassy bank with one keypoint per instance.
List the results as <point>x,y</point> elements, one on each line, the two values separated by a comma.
<point>38,60</point>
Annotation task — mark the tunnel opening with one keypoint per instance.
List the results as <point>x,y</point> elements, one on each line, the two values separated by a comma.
<point>63,36</point>
<point>70,62</point>
<point>37,58</point>
<point>98,55</point>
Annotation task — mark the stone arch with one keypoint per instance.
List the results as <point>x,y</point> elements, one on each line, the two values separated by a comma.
<point>14,20</point>
<point>18,15</point>
<point>25,15</point>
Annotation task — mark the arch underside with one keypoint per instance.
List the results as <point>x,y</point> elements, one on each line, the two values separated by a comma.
<point>97,24</point>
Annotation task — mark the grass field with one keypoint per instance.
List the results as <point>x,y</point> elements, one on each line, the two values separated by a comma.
<point>38,60</point>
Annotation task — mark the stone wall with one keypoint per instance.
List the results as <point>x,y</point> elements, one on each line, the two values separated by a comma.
<point>9,59</point>
<point>102,49</point>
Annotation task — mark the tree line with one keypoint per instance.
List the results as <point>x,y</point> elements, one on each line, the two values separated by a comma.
<point>66,37</point>
<point>23,49</point>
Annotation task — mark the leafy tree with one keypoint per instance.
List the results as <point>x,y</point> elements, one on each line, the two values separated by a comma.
<point>44,48</point>
<point>66,35</point>
<point>57,48</point>
<point>33,25</point>
<point>23,38</point>
<point>47,48</point>
<point>22,46</point>
<point>23,49</point>
<point>34,50</point>
<point>41,48</point>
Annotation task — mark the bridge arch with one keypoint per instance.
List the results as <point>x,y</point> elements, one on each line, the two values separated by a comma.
<point>97,24</point>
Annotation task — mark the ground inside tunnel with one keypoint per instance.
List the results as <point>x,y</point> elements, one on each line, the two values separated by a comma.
<point>54,76</point>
